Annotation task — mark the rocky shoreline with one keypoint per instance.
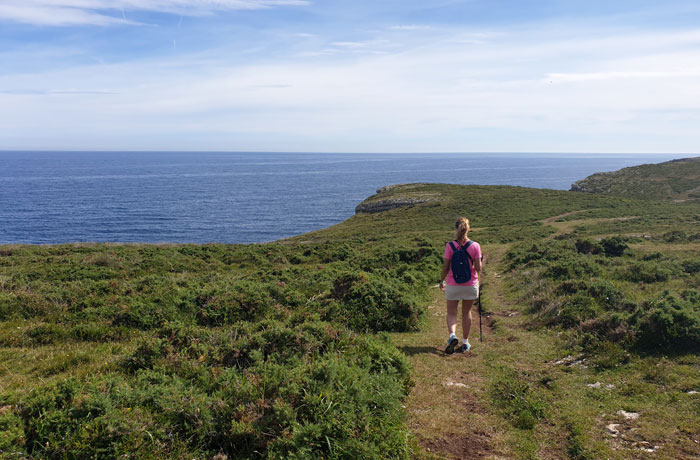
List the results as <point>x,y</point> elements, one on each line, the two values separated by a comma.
<point>377,203</point>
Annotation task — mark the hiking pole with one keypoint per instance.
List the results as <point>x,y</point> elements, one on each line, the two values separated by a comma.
<point>481,334</point>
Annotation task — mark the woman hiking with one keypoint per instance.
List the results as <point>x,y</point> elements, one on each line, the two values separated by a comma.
<point>460,281</point>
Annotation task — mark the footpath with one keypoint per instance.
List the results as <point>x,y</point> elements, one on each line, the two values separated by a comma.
<point>455,413</point>
<point>448,408</point>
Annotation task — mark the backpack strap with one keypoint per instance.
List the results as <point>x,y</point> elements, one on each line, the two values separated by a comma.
<point>465,247</point>
<point>454,249</point>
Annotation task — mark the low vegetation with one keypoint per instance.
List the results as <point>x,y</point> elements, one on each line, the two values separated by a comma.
<point>279,350</point>
<point>675,179</point>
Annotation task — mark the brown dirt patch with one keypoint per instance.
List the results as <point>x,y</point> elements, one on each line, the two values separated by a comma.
<point>472,405</point>
<point>470,445</point>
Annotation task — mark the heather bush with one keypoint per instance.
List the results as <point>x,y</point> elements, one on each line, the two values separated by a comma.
<point>371,302</point>
<point>570,268</point>
<point>671,323</point>
<point>588,247</point>
<point>614,246</point>
<point>228,303</point>
<point>647,272</point>
<point>575,310</point>
<point>691,266</point>
<point>273,390</point>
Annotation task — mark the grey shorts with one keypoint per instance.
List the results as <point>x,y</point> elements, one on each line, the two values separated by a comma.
<point>461,292</point>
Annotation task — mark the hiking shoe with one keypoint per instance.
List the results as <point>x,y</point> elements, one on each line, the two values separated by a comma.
<point>464,348</point>
<point>451,344</point>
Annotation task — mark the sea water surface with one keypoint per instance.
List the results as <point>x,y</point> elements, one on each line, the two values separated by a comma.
<point>201,197</point>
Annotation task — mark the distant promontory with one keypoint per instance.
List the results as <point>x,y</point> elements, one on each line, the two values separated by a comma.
<point>675,180</point>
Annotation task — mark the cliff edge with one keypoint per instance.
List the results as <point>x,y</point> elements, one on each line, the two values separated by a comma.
<point>673,180</point>
<point>396,196</point>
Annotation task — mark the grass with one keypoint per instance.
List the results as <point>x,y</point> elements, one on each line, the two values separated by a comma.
<point>676,179</point>
<point>278,350</point>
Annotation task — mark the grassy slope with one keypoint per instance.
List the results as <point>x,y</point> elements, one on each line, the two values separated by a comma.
<point>475,420</point>
<point>554,416</point>
<point>677,179</point>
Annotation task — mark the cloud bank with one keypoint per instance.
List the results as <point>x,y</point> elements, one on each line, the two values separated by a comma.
<point>109,12</point>
<point>300,86</point>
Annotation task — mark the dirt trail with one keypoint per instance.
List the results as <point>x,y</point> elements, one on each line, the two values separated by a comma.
<point>553,219</point>
<point>448,407</point>
<point>451,413</point>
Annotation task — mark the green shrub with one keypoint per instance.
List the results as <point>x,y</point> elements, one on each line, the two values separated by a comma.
<point>607,326</point>
<point>675,236</point>
<point>691,266</point>
<point>605,293</point>
<point>147,353</point>
<point>11,432</point>
<point>671,324</point>
<point>370,302</point>
<point>588,247</point>
<point>339,252</point>
<point>143,316</point>
<point>306,390</point>
<point>537,253</point>
<point>575,310</point>
<point>571,267</point>
<point>609,355</point>
<point>614,246</point>
<point>647,272</point>
<point>227,304</point>
<point>24,304</point>
<point>48,333</point>
<point>575,444</point>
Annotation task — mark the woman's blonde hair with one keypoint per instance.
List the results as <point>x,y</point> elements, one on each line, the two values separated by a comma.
<point>462,226</point>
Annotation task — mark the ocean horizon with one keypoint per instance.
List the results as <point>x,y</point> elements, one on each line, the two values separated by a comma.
<point>53,197</point>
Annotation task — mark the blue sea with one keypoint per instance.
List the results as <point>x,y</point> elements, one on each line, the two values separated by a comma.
<point>193,197</point>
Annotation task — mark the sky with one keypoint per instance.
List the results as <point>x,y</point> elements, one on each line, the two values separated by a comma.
<point>613,76</point>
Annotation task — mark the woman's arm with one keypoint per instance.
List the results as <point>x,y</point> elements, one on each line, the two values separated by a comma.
<point>445,271</point>
<point>478,265</point>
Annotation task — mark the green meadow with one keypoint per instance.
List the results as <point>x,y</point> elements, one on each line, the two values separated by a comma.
<point>301,349</point>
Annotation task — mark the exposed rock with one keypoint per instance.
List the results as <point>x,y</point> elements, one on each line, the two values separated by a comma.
<point>628,415</point>
<point>609,386</point>
<point>645,446</point>
<point>455,384</point>
<point>389,203</point>
<point>566,360</point>
<point>612,429</point>
<point>395,196</point>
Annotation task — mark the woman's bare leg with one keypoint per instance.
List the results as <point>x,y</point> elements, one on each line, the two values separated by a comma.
<point>466,317</point>
<point>452,306</point>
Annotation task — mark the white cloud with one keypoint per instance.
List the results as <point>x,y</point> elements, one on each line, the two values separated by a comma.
<point>46,15</point>
<point>617,92</point>
<point>410,27</point>
<point>106,12</point>
<point>601,76</point>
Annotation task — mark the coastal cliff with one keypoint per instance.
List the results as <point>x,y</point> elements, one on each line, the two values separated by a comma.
<point>676,180</point>
<point>395,196</point>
